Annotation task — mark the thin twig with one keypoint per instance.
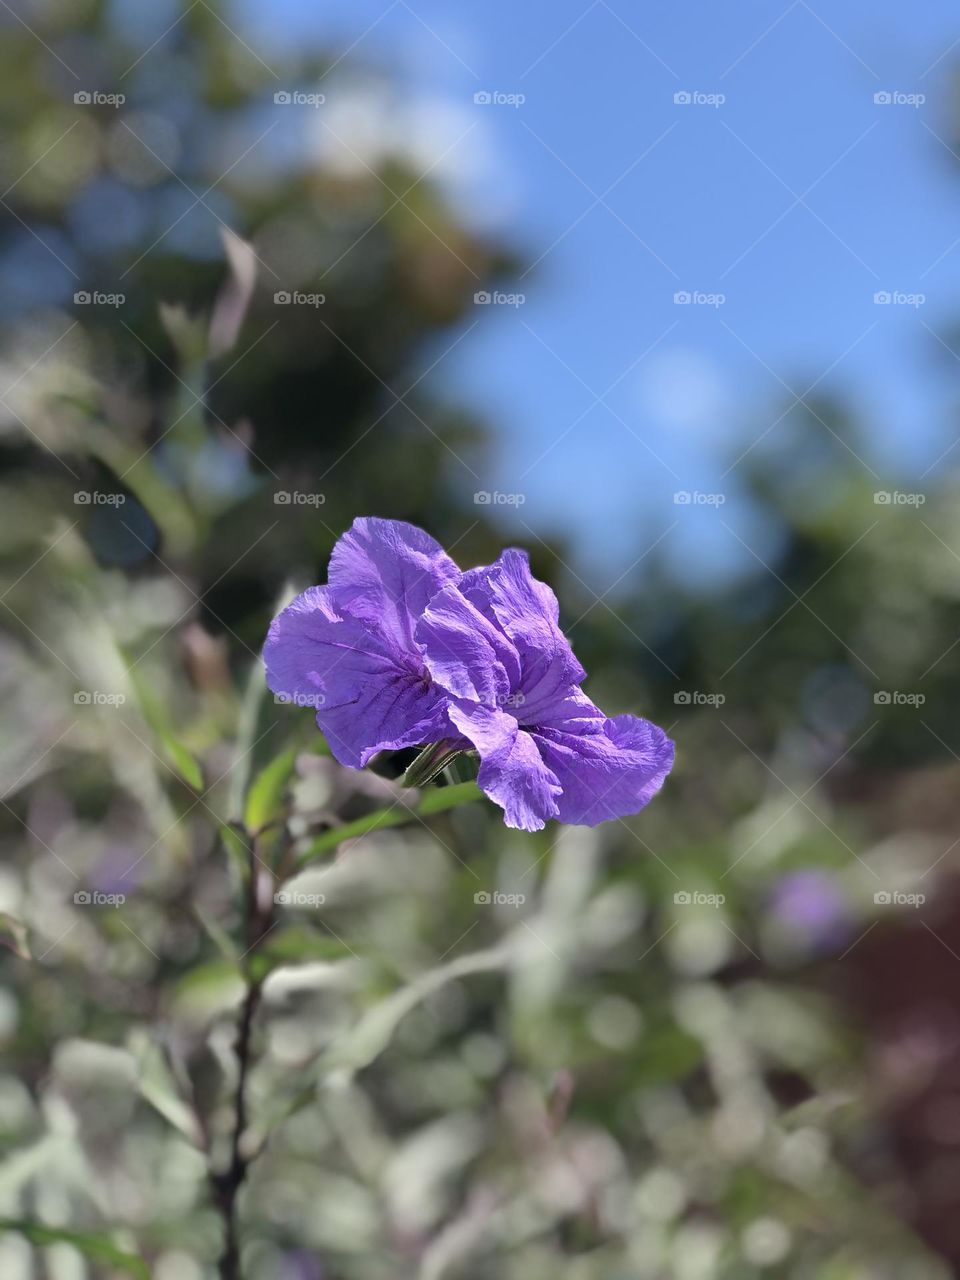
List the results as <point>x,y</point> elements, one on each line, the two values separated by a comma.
<point>226,1185</point>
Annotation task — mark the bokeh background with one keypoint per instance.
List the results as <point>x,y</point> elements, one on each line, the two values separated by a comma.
<point>667,297</point>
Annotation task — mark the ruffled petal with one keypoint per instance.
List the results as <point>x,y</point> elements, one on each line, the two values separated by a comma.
<point>369,694</point>
<point>512,772</point>
<point>385,571</point>
<point>527,612</point>
<point>609,774</point>
<point>464,652</point>
<point>289,652</point>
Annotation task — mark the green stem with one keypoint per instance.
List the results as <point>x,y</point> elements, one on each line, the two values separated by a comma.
<point>431,762</point>
<point>437,800</point>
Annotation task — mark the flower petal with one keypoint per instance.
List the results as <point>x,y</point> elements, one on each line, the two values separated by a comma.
<point>385,571</point>
<point>527,612</point>
<point>370,695</point>
<point>606,774</point>
<point>512,772</point>
<point>466,653</point>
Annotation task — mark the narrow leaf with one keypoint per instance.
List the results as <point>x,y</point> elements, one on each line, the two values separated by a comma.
<point>97,1246</point>
<point>183,761</point>
<point>265,797</point>
<point>368,1039</point>
<point>437,800</point>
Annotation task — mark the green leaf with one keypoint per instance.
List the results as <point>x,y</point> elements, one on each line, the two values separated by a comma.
<point>295,944</point>
<point>218,935</point>
<point>358,1047</point>
<point>438,800</point>
<point>13,934</point>
<point>265,797</point>
<point>238,850</point>
<point>183,761</point>
<point>97,1246</point>
<point>208,990</point>
<point>158,1087</point>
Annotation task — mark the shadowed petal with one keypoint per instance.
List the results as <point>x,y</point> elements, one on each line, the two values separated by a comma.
<point>609,774</point>
<point>385,571</point>
<point>512,772</point>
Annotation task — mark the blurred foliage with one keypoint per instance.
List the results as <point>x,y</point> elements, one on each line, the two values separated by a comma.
<point>650,1050</point>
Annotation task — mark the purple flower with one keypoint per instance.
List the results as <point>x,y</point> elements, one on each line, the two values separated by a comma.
<point>402,649</point>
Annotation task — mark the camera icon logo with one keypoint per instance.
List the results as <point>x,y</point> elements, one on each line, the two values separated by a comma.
<point>682,498</point>
<point>82,298</point>
<point>682,698</point>
<point>882,498</point>
<point>282,498</point>
<point>882,298</point>
<point>82,698</point>
<point>482,298</point>
<point>682,898</point>
<point>681,298</point>
<point>883,99</point>
<point>882,698</point>
<point>82,898</point>
<point>82,498</point>
<point>282,97</point>
<point>483,98</point>
<point>883,898</point>
<point>82,98</point>
<point>283,898</point>
<point>482,498</point>
<point>683,98</point>
<point>482,898</point>
<point>282,298</point>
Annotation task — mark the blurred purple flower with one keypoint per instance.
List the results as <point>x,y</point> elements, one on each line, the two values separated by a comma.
<point>811,904</point>
<point>402,649</point>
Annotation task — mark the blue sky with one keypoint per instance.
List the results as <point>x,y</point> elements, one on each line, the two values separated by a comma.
<point>797,198</point>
